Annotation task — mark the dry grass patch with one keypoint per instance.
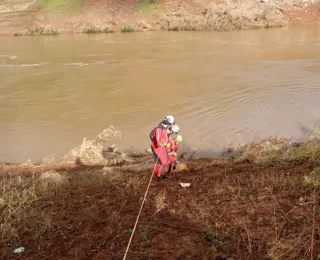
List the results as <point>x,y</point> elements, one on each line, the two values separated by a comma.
<point>160,201</point>
<point>313,178</point>
<point>181,167</point>
<point>37,210</point>
<point>51,180</point>
<point>95,30</point>
<point>277,151</point>
<point>228,16</point>
<point>39,31</point>
<point>234,210</point>
<point>20,217</point>
<point>94,152</point>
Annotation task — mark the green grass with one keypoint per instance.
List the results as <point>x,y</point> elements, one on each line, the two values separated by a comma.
<point>63,6</point>
<point>55,3</point>
<point>92,30</point>
<point>127,29</point>
<point>41,31</point>
<point>148,6</point>
<point>38,31</point>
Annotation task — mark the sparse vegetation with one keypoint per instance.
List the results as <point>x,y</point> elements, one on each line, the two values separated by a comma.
<point>145,238</point>
<point>93,30</point>
<point>37,31</point>
<point>277,151</point>
<point>178,16</point>
<point>94,152</point>
<point>227,16</point>
<point>147,6</point>
<point>233,208</point>
<point>160,201</point>
<point>128,29</point>
<point>313,179</point>
<point>129,230</point>
<point>62,6</point>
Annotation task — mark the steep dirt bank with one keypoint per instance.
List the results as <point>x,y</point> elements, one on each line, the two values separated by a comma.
<point>67,16</point>
<point>263,204</point>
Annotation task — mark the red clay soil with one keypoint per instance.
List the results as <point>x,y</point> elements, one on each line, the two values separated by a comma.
<point>97,13</point>
<point>310,14</point>
<point>230,211</point>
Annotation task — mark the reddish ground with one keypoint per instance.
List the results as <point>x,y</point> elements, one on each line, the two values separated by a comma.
<point>309,14</point>
<point>230,211</point>
<point>116,14</point>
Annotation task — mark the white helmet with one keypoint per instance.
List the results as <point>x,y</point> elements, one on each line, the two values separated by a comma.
<point>169,119</point>
<point>175,129</point>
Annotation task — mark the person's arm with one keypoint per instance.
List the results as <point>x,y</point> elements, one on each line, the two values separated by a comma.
<point>159,133</point>
<point>175,149</point>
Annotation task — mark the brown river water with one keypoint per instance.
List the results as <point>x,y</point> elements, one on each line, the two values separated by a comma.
<point>222,88</point>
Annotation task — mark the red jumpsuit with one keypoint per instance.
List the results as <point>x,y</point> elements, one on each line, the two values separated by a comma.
<point>173,148</point>
<point>159,150</point>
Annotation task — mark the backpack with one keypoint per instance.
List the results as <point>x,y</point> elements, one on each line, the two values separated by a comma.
<point>152,135</point>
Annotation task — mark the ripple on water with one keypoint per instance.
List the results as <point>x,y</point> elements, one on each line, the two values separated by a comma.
<point>11,57</point>
<point>97,54</point>
<point>220,90</point>
<point>84,64</point>
<point>22,65</point>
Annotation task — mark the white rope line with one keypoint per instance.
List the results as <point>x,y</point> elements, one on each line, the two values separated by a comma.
<point>145,195</point>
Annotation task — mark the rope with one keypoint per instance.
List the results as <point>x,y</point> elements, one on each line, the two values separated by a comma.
<point>145,195</point>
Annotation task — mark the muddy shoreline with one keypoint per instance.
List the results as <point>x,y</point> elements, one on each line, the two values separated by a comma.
<point>92,155</point>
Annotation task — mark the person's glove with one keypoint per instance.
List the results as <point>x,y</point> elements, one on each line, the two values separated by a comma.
<point>164,145</point>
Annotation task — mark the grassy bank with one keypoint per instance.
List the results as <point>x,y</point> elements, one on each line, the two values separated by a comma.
<point>261,202</point>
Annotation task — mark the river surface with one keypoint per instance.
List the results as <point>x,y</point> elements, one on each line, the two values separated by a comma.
<point>221,87</point>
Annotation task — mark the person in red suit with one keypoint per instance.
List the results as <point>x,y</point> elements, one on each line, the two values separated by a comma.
<point>172,148</point>
<point>159,140</point>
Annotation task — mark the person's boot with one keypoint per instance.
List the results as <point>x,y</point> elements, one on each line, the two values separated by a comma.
<point>174,165</point>
<point>163,172</point>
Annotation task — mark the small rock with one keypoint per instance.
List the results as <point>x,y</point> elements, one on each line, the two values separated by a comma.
<point>148,150</point>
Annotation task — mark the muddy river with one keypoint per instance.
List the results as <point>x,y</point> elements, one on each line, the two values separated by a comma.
<point>221,87</point>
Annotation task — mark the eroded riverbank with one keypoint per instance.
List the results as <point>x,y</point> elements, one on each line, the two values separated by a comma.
<point>78,16</point>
